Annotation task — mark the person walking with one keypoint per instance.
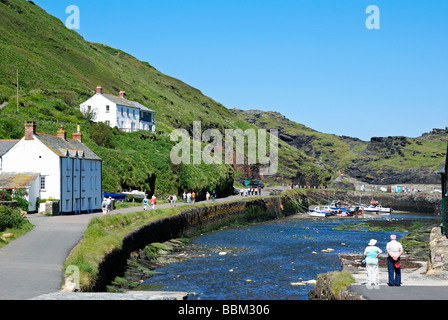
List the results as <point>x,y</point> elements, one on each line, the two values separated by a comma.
<point>371,254</point>
<point>174,200</point>
<point>153,202</point>
<point>109,205</point>
<point>213,196</point>
<point>145,204</point>
<point>394,250</point>
<point>189,197</point>
<point>104,206</point>
<point>193,197</point>
<point>184,197</point>
<point>207,196</point>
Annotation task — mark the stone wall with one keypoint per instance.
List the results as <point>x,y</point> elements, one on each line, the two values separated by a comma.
<point>192,221</point>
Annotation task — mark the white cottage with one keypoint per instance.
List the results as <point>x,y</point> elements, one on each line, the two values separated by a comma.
<point>69,171</point>
<point>117,111</point>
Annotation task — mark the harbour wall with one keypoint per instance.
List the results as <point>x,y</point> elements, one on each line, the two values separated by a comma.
<point>192,221</point>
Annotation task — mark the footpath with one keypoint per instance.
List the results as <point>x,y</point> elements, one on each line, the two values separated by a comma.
<point>417,284</point>
<point>32,265</point>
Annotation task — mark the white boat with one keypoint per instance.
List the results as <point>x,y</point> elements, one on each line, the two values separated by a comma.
<point>371,209</point>
<point>318,212</point>
<point>134,194</point>
<point>384,211</point>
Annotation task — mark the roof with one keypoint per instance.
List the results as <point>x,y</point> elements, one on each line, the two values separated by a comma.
<point>67,147</point>
<point>125,102</point>
<point>6,145</point>
<point>17,180</point>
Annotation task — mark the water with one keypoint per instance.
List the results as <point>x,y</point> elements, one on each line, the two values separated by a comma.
<point>265,259</point>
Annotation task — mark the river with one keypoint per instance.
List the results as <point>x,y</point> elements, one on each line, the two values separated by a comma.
<point>262,261</point>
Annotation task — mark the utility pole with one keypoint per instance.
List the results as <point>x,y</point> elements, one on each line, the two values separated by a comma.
<point>17,90</point>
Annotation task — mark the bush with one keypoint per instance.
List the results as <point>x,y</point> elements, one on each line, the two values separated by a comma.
<point>11,219</point>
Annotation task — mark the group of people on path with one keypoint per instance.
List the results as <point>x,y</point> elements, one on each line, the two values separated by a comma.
<point>250,191</point>
<point>106,205</point>
<point>191,197</point>
<point>394,251</point>
<point>153,202</point>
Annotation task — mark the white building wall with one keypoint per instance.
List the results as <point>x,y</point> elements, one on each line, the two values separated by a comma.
<point>126,116</point>
<point>34,156</point>
<point>33,194</point>
<point>75,182</point>
<point>98,104</point>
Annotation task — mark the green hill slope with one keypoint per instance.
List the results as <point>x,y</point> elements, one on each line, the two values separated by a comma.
<point>382,160</point>
<point>58,70</point>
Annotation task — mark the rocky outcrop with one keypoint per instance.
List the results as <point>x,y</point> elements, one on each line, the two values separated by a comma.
<point>438,246</point>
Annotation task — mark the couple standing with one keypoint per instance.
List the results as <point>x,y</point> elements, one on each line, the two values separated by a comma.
<point>394,250</point>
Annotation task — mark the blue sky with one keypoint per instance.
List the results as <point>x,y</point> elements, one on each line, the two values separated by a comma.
<point>314,61</point>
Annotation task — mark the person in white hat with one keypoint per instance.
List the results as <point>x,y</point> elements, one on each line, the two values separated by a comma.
<point>371,254</point>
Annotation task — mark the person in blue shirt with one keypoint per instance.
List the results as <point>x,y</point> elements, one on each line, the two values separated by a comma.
<point>145,204</point>
<point>371,254</point>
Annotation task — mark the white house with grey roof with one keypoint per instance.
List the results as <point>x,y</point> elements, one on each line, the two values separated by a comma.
<point>117,111</point>
<point>69,171</point>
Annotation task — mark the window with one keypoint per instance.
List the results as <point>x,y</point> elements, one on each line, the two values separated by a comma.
<point>107,122</point>
<point>127,111</point>
<point>122,112</point>
<point>107,109</point>
<point>42,183</point>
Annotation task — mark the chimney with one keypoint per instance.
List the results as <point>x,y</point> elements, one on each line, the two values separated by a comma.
<point>30,130</point>
<point>99,90</point>
<point>121,94</point>
<point>62,134</point>
<point>77,136</point>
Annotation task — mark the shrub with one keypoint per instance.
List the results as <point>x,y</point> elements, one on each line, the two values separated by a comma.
<point>11,219</point>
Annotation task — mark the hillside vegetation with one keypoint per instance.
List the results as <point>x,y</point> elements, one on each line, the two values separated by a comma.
<point>58,70</point>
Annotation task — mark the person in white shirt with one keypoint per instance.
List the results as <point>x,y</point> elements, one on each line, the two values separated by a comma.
<point>394,250</point>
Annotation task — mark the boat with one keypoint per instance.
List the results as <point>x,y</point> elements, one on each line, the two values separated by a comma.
<point>371,209</point>
<point>134,194</point>
<point>384,211</point>
<point>318,212</point>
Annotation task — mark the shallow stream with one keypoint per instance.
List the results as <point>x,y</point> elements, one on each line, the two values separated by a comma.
<point>261,261</point>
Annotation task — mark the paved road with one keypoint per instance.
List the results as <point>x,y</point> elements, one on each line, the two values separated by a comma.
<point>32,265</point>
<point>403,292</point>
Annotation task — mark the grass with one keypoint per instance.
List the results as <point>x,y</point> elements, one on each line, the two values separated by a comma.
<point>340,281</point>
<point>17,233</point>
<point>105,234</point>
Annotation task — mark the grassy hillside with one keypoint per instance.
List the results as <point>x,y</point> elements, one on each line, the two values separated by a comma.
<point>383,160</point>
<point>58,70</point>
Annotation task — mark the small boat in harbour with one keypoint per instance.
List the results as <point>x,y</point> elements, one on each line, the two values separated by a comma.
<point>134,194</point>
<point>371,209</point>
<point>318,212</point>
<point>382,211</point>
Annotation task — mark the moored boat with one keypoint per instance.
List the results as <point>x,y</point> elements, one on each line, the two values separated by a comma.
<point>318,212</point>
<point>134,194</point>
